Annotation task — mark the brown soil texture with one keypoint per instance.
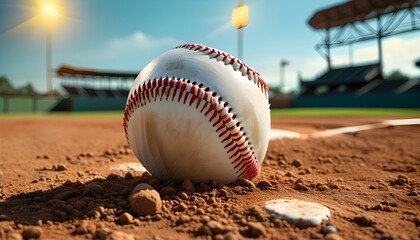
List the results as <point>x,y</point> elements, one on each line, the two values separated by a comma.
<point>57,182</point>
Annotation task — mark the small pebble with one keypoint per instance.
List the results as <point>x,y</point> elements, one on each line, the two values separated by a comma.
<point>205,187</point>
<point>264,184</point>
<point>3,217</point>
<point>255,230</point>
<point>333,236</point>
<point>402,179</point>
<point>32,232</point>
<point>180,208</point>
<point>188,186</point>
<point>205,219</point>
<point>364,221</point>
<point>377,207</point>
<point>125,218</point>
<point>125,192</point>
<point>79,204</point>
<point>297,163</point>
<point>118,235</point>
<point>231,236</point>
<point>216,227</point>
<point>245,183</point>
<point>301,187</point>
<point>330,229</point>
<point>200,211</point>
<point>85,227</point>
<point>59,168</point>
<point>213,183</point>
<point>204,230</point>
<point>183,196</point>
<point>66,195</point>
<point>167,191</point>
<point>413,193</point>
<point>183,219</point>
<point>93,189</point>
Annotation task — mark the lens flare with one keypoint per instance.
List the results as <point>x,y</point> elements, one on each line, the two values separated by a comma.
<point>50,9</point>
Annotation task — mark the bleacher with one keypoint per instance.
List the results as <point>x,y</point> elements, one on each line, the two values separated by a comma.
<point>415,88</point>
<point>347,75</point>
<point>71,90</point>
<point>358,86</point>
<point>123,92</point>
<point>388,86</point>
<point>91,83</point>
<point>92,92</point>
<point>346,80</point>
<point>108,93</point>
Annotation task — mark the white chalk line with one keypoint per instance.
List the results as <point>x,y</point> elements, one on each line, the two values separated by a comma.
<point>276,134</point>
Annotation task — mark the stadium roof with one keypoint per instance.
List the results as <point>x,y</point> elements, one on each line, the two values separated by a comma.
<point>357,10</point>
<point>66,70</point>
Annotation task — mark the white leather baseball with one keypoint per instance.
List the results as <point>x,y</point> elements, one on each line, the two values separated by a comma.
<point>198,113</point>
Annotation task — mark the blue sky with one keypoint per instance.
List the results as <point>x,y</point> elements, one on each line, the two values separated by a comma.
<point>126,35</point>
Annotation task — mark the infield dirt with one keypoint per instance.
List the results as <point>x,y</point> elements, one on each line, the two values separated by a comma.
<point>58,181</point>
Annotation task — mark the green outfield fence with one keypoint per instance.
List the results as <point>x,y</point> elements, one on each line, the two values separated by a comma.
<point>13,104</point>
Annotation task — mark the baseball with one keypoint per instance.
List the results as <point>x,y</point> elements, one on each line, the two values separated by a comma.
<point>198,113</point>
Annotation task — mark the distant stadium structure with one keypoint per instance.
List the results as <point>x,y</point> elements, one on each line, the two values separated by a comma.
<point>361,85</point>
<point>91,89</point>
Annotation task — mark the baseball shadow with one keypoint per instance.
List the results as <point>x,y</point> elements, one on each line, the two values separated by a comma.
<point>72,200</point>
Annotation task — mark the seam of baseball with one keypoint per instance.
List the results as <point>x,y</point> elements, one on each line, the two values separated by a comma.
<point>234,139</point>
<point>228,59</point>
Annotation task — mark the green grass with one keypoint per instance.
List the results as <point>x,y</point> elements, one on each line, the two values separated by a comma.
<point>308,112</point>
<point>289,112</point>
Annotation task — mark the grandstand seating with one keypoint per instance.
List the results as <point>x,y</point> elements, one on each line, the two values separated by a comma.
<point>123,92</point>
<point>108,93</point>
<point>387,86</point>
<point>91,92</point>
<point>347,75</point>
<point>415,88</point>
<point>71,90</point>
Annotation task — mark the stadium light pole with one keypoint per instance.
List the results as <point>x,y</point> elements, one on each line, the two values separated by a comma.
<point>50,13</point>
<point>283,64</point>
<point>239,21</point>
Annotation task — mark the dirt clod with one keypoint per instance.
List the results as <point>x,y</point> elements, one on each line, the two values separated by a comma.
<point>297,163</point>
<point>255,229</point>
<point>32,232</point>
<point>85,227</point>
<point>364,221</point>
<point>145,202</point>
<point>188,186</point>
<point>125,218</point>
<point>216,227</point>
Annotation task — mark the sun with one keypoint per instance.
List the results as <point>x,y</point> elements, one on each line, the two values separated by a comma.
<point>49,10</point>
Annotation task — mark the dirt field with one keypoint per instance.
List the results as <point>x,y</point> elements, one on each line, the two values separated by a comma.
<point>58,181</point>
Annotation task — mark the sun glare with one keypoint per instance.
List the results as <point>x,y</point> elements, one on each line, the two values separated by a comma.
<point>50,9</point>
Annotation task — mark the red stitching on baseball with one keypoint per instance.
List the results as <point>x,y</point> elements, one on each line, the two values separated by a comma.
<point>228,59</point>
<point>218,112</point>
